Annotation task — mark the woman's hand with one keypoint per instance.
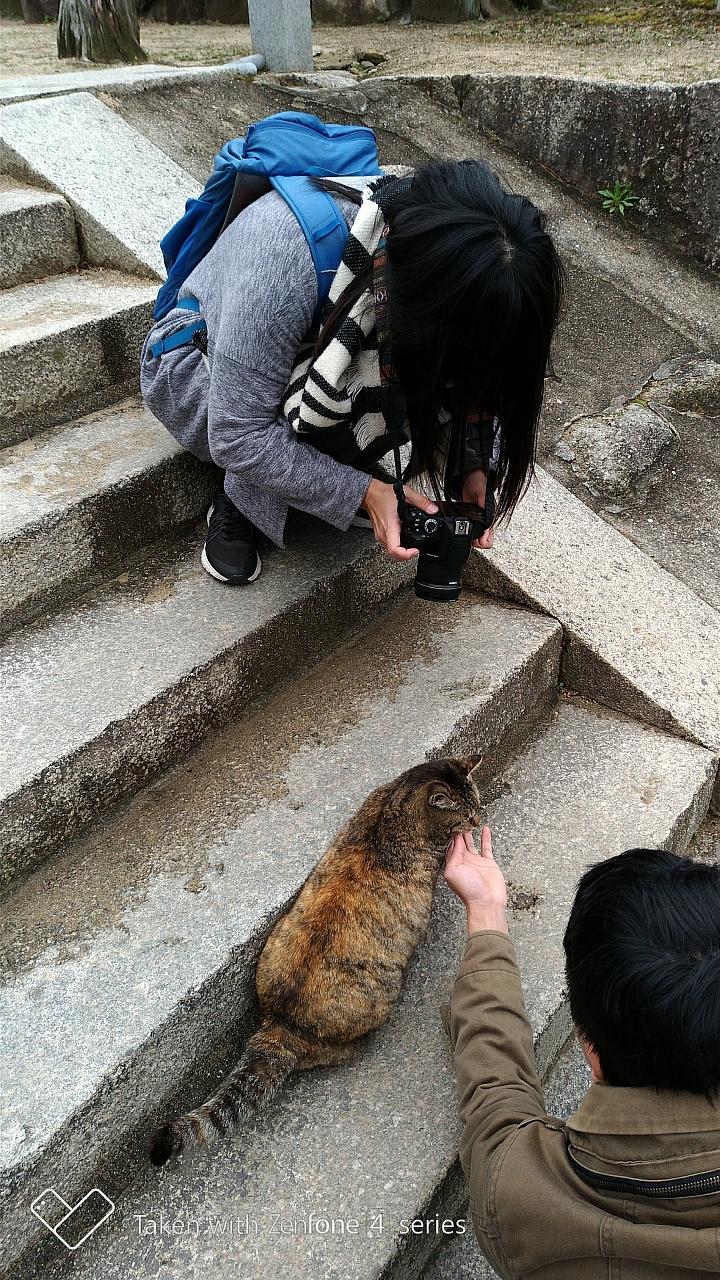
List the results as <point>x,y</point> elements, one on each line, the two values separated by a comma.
<point>381,505</point>
<point>474,491</point>
<point>478,881</point>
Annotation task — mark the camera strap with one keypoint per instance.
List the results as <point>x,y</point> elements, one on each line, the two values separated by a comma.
<point>478,428</point>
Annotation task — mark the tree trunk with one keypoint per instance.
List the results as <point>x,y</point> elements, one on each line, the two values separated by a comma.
<point>99,31</point>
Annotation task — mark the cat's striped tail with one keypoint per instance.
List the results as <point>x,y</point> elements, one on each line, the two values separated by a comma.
<point>269,1058</point>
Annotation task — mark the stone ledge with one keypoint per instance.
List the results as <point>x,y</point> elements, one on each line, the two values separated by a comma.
<point>84,498</point>
<point>125,192</point>
<point>31,88</point>
<point>636,639</point>
<point>37,234</point>
<point>67,343</point>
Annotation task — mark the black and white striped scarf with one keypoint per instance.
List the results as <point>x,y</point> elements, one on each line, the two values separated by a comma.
<point>342,387</point>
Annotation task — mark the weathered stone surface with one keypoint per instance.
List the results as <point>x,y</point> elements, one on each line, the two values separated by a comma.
<point>169,978</point>
<point>67,345</point>
<point>665,139</point>
<point>37,234</point>
<point>281,31</point>
<point>637,639</point>
<point>128,679</point>
<point>27,88</point>
<point>690,384</point>
<point>619,454</point>
<point>320,80</point>
<point>81,499</point>
<point>125,192</point>
<point>379,1136</point>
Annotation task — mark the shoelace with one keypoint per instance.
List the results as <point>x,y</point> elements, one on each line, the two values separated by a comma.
<point>231,524</point>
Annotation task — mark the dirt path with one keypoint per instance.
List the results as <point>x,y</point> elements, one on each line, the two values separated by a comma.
<point>673,40</point>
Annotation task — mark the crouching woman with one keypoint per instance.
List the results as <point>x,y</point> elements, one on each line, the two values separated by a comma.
<point>292,410</point>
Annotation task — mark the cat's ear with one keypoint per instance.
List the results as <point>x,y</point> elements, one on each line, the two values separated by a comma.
<point>468,763</point>
<point>440,798</point>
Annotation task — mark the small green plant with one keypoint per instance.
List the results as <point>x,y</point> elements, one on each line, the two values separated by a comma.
<point>619,198</point>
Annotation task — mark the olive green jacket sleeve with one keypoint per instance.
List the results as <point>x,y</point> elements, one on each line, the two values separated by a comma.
<point>498,1086</point>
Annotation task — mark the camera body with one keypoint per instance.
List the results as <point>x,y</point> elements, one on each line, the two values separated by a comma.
<point>444,542</point>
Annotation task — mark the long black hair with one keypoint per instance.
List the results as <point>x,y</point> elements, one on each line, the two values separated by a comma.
<point>475,287</point>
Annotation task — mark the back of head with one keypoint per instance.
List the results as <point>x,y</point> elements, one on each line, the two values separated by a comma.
<point>642,950</point>
<point>474,289</point>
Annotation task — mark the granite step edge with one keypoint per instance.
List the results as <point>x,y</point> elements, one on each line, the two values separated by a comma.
<point>59,544</point>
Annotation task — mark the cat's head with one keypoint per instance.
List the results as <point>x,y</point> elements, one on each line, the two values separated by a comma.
<point>440,797</point>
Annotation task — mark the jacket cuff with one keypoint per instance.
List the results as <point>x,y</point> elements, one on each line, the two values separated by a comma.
<point>488,949</point>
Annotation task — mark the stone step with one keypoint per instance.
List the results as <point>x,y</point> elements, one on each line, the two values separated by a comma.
<point>122,682</point>
<point>374,1143</point>
<point>637,639</point>
<point>79,500</point>
<point>69,345</point>
<point>132,955</point>
<point>125,192</point>
<point>37,234</point>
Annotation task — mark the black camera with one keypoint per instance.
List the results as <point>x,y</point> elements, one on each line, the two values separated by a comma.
<point>444,542</point>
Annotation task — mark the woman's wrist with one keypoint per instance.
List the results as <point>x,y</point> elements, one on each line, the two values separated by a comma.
<point>486,915</point>
<point>374,491</point>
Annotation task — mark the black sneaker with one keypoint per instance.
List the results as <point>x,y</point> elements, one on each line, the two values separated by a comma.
<point>230,553</point>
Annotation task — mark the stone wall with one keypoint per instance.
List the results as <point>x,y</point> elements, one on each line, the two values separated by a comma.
<point>665,139</point>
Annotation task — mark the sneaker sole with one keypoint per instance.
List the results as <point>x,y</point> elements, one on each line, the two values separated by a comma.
<point>220,578</point>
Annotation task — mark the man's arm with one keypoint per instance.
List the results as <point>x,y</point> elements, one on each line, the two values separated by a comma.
<point>498,1085</point>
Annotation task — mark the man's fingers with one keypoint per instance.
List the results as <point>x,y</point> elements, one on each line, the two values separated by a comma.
<point>469,842</point>
<point>486,844</point>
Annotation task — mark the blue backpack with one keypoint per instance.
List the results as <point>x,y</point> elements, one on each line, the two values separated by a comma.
<point>281,152</point>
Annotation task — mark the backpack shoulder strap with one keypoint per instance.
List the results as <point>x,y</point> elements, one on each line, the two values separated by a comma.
<point>324,227</point>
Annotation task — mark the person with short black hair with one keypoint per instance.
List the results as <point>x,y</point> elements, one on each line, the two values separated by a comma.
<point>629,1186</point>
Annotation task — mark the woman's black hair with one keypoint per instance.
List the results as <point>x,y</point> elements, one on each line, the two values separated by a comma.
<point>642,950</point>
<point>475,287</point>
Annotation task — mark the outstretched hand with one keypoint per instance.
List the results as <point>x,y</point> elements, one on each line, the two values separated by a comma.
<point>478,881</point>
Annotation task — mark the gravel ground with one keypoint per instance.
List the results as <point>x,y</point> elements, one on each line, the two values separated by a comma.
<point>672,40</point>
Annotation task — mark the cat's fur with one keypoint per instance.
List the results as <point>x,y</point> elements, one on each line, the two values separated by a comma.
<point>332,967</point>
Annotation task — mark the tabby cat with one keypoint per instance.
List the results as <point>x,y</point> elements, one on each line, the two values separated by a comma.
<point>332,967</point>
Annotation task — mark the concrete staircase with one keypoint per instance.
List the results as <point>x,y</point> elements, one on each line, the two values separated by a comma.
<point>178,755</point>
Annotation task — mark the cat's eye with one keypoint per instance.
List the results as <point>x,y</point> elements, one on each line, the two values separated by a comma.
<point>441,800</point>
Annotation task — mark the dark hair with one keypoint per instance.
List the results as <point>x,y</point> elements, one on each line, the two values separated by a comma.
<point>475,287</point>
<point>642,950</point>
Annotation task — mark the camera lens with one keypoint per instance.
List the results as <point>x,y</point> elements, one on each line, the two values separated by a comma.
<point>435,580</point>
